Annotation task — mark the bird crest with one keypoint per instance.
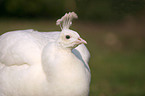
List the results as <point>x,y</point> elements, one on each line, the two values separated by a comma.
<point>66,21</point>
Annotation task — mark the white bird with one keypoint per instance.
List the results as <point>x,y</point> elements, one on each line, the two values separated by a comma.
<point>36,63</point>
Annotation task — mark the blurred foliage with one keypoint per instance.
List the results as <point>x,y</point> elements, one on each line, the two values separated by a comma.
<point>32,8</point>
<point>102,10</point>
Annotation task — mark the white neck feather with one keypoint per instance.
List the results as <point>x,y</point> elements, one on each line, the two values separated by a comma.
<point>64,70</point>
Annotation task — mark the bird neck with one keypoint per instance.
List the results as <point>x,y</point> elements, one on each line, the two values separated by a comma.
<point>62,46</point>
<point>62,67</point>
<point>51,54</point>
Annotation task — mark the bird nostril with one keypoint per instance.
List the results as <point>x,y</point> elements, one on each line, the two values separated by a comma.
<point>79,39</point>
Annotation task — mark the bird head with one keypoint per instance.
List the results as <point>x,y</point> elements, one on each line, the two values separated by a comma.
<point>68,38</point>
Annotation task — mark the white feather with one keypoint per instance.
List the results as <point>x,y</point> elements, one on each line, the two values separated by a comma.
<point>66,21</point>
<point>32,65</point>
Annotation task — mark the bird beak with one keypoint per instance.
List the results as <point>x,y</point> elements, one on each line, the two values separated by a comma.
<point>81,41</point>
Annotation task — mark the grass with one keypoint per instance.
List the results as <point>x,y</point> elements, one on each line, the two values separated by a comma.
<point>117,53</point>
<point>116,74</point>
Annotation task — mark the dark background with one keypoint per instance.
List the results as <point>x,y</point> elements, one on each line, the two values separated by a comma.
<point>98,10</point>
<point>114,30</point>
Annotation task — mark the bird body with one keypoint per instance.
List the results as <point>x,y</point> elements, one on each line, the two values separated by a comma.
<point>36,63</point>
<point>74,70</point>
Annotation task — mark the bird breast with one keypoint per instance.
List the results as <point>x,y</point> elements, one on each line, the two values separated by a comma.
<point>64,70</point>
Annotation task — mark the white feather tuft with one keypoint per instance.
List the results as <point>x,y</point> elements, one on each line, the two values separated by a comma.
<point>66,21</point>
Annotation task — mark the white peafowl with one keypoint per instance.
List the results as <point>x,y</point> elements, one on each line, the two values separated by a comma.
<point>36,63</point>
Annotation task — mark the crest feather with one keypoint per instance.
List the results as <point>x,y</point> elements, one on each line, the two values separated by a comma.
<point>66,21</point>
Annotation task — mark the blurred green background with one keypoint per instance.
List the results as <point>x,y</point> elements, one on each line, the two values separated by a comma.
<point>114,30</point>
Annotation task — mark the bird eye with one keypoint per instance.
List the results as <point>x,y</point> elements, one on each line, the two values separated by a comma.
<point>67,37</point>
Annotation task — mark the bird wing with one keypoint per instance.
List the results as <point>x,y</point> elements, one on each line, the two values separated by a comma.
<point>18,48</point>
<point>25,47</point>
<point>82,53</point>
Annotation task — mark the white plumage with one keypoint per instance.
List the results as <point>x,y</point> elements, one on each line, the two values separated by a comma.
<point>44,63</point>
